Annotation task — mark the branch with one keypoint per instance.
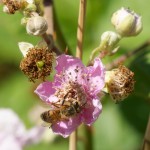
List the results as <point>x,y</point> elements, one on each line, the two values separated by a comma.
<point>129,54</point>
<point>48,36</point>
<point>146,142</point>
<point>89,138</point>
<point>80,30</point>
<point>81,20</point>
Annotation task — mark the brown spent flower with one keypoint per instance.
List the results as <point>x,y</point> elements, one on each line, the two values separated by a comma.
<point>120,83</point>
<point>12,5</point>
<point>37,64</point>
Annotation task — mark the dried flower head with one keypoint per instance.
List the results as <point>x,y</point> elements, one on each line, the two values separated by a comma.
<point>38,63</point>
<point>119,83</point>
<point>73,96</point>
<point>11,6</point>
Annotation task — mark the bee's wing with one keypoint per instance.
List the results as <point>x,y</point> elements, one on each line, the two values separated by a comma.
<point>45,104</point>
<point>46,124</point>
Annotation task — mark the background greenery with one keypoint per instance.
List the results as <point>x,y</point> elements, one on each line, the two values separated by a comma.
<point>120,126</point>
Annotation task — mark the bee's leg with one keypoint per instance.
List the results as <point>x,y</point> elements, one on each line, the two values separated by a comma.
<point>64,99</point>
<point>56,105</point>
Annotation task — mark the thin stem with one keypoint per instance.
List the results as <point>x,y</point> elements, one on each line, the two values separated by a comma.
<point>73,141</point>
<point>80,29</point>
<point>89,138</point>
<point>81,19</point>
<point>49,40</point>
<point>93,54</point>
<point>124,57</point>
<point>48,36</point>
<point>146,142</point>
<point>48,15</point>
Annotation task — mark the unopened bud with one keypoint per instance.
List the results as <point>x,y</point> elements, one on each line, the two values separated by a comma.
<point>126,22</point>
<point>109,40</point>
<point>30,1</point>
<point>24,20</point>
<point>30,8</point>
<point>36,25</point>
<point>119,83</point>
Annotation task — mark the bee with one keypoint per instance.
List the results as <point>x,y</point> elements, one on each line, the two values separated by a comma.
<point>62,112</point>
<point>51,116</point>
<point>71,108</point>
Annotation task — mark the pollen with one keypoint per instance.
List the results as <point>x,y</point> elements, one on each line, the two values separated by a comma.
<point>37,64</point>
<point>120,83</point>
<point>70,93</point>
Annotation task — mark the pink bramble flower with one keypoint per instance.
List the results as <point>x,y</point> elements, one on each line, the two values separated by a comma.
<point>73,95</point>
<point>13,133</point>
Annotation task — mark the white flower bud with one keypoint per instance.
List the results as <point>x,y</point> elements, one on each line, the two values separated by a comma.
<point>30,1</point>
<point>109,40</point>
<point>30,8</point>
<point>126,22</point>
<point>24,21</point>
<point>36,25</point>
<point>24,47</point>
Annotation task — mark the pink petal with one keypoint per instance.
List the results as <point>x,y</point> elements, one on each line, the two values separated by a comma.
<point>10,143</point>
<point>44,90</point>
<point>96,77</point>
<point>91,113</point>
<point>65,128</point>
<point>64,62</point>
<point>71,67</point>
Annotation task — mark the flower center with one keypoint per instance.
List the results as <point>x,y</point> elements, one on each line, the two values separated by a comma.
<point>72,97</point>
<point>40,64</point>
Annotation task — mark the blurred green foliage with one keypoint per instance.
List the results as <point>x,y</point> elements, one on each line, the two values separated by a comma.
<point>120,126</point>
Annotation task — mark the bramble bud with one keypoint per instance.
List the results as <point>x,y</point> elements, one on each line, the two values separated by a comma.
<point>109,40</point>
<point>24,20</point>
<point>36,25</point>
<point>30,1</point>
<point>30,8</point>
<point>119,83</point>
<point>126,22</point>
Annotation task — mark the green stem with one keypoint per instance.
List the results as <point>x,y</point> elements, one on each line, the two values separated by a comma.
<point>146,142</point>
<point>126,56</point>
<point>89,138</point>
<point>94,53</point>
